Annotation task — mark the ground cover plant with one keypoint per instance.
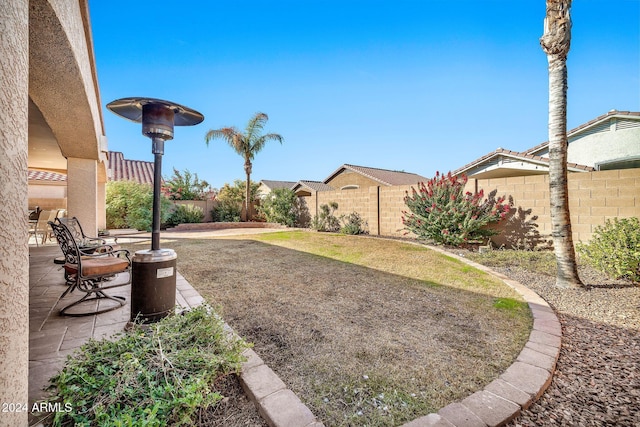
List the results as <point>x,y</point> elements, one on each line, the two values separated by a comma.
<point>156,376</point>
<point>365,331</point>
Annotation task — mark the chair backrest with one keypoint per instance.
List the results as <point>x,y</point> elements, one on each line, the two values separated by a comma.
<point>66,241</point>
<point>41,224</point>
<point>74,227</point>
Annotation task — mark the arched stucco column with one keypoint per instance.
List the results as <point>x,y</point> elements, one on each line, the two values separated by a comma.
<point>102,206</point>
<point>14,251</point>
<point>82,193</point>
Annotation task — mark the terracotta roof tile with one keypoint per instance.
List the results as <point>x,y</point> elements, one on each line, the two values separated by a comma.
<point>36,175</point>
<point>121,169</point>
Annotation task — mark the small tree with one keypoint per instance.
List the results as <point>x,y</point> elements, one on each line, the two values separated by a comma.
<point>230,200</point>
<point>280,206</point>
<point>442,212</point>
<point>247,144</point>
<point>185,186</point>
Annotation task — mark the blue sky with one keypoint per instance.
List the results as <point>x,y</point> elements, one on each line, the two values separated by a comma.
<point>414,85</point>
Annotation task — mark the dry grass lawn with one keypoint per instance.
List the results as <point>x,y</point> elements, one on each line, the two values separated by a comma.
<point>365,331</point>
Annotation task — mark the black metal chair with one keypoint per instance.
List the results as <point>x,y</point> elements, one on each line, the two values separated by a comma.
<point>84,242</point>
<point>91,271</point>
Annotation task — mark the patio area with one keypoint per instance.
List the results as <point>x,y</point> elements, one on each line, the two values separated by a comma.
<point>53,337</point>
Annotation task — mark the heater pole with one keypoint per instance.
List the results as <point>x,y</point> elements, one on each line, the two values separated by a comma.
<point>158,151</point>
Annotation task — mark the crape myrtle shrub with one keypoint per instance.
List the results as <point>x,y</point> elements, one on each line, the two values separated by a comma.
<point>185,186</point>
<point>442,212</point>
<point>615,249</point>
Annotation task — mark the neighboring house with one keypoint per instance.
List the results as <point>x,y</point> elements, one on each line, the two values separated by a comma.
<point>610,141</point>
<point>349,185</point>
<point>350,177</point>
<point>267,186</point>
<point>121,169</point>
<point>305,188</point>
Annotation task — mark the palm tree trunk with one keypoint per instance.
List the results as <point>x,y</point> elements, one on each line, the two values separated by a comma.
<point>247,170</point>
<point>556,42</point>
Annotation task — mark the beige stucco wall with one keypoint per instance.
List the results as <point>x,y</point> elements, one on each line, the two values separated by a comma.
<point>63,85</point>
<point>615,144</point>
<point>603,146</point>
<point>14,259</point>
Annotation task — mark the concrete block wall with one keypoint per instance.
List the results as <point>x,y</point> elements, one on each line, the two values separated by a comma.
<point>594,197</point>
<point>391,208</point>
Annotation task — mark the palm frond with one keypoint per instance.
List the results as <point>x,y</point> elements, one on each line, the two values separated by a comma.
<point>231,135</point>
<point>259,143</point>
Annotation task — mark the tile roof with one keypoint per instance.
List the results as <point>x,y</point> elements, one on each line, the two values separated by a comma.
<point>518,155</point>
<point>121,169</point>
<point>36,175</point>
<point>278,184</point>
<point>313,185</point>
<point>383,176</point>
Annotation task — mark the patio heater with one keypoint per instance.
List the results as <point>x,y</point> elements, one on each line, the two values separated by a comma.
<point>153,281</point>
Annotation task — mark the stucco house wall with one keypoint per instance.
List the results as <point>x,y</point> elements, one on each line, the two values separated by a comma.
<point>46,55</point>
<point>610,141</point>
<point>14,262</point>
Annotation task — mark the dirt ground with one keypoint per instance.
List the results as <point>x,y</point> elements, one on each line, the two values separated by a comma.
<point>394,333</point>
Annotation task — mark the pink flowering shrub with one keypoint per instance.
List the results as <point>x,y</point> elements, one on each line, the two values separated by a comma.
<point>442,212</point>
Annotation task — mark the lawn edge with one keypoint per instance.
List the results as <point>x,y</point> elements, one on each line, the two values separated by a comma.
<point>496,405</point>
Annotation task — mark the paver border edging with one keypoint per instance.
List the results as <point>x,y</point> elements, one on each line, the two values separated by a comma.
<point>522,383</point>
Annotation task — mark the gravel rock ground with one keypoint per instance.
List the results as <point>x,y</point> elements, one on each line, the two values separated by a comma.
<point>597,378</point>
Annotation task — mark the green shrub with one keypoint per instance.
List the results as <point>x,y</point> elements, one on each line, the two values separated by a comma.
<point>326,220</point>
<point>160,376</point>
<point>353,224</point>
<point>230,200</point>
<point>130,205</point>
<point>442,212</point>
<point>185,214</point>
<point>226,212</point>
<point>615,249</point>
<point>280,206</point>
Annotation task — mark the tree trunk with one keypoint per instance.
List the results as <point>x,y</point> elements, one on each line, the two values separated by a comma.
<point>555,42</point>
<point>247,170</point>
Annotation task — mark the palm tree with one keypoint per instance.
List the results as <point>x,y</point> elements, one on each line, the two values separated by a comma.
<point>555,43</point>
<point>246,144</point>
